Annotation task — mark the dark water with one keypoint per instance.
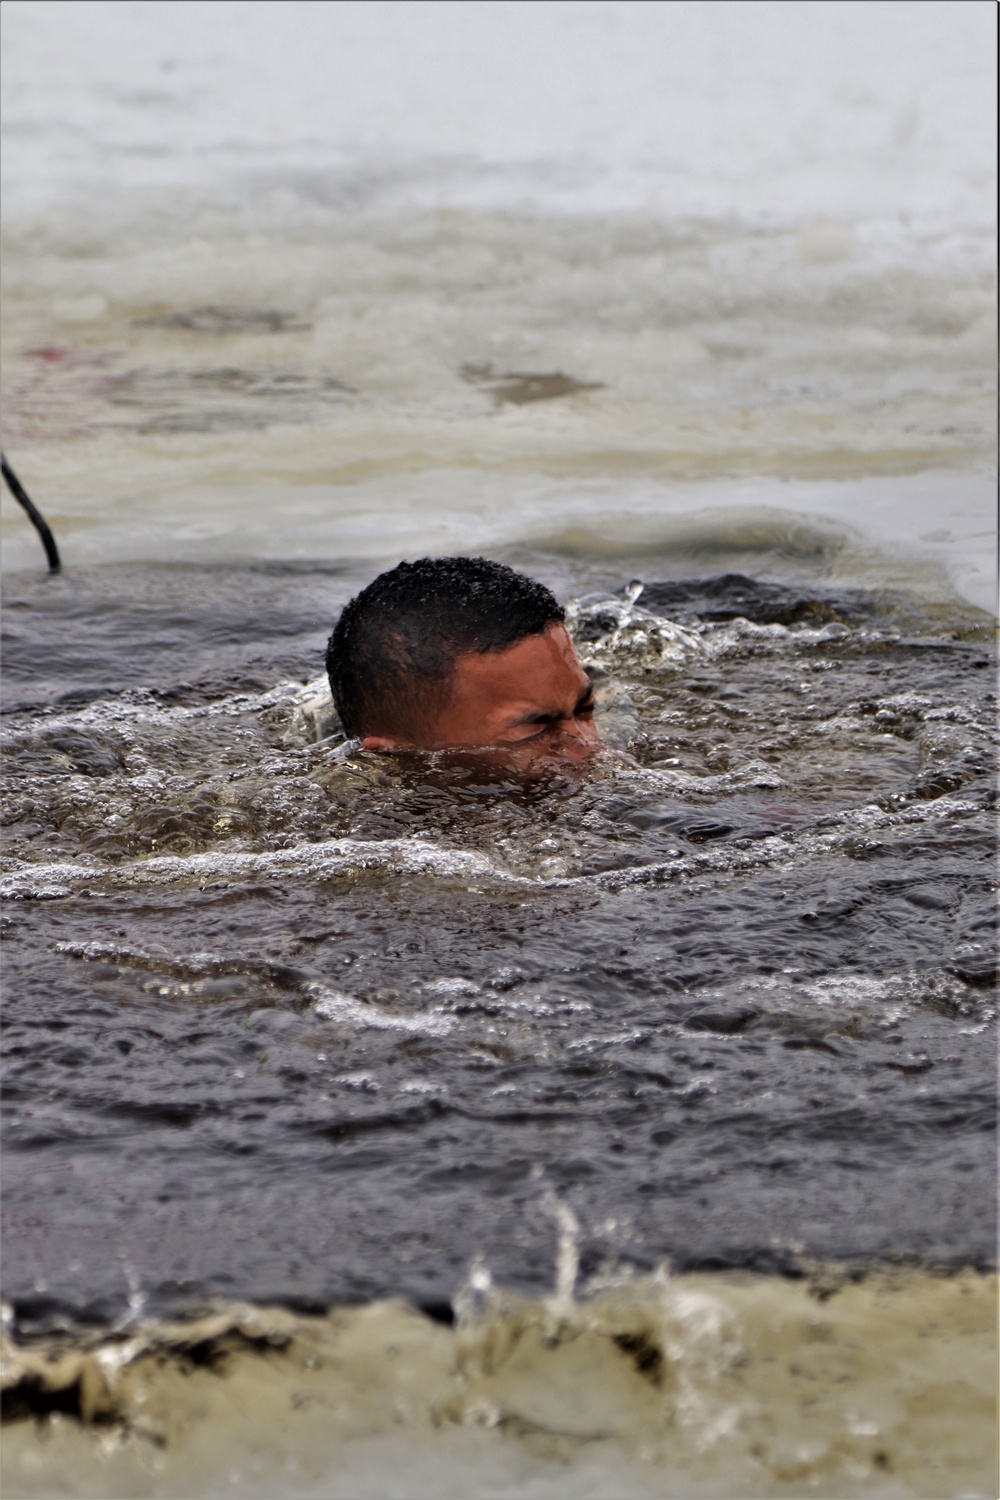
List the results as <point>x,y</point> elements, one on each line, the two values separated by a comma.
<point>280,1026</point>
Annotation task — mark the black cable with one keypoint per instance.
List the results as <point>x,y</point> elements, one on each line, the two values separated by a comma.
<point>34,515</point>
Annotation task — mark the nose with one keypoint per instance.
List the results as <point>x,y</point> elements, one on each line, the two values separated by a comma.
<point>577,739</point>
<point>579,729</point>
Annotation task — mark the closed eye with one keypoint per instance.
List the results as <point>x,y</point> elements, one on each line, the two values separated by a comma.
<point>584,709</point>
<point>544,723</point>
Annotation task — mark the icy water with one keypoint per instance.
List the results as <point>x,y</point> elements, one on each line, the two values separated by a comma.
<point>383,1126</point>
<point>298,1028</point>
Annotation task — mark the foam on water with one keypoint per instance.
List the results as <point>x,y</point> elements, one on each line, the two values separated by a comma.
<point>324,861</point>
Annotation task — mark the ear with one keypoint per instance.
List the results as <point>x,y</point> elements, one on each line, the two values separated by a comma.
<point>383,742</point>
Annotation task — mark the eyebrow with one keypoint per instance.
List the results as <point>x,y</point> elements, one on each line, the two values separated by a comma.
<point>584,701</point>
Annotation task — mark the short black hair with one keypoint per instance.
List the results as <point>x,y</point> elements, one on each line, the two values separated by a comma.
<point>391,657</point>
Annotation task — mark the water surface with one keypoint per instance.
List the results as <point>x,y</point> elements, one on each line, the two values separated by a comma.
<point>396,1067</point>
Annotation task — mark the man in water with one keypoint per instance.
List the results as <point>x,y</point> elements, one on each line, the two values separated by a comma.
<point>461,651</point>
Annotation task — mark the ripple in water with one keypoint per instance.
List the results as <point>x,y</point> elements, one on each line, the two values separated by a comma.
<point>287,1022</point>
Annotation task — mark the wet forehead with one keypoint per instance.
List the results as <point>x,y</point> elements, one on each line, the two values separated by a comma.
<point>539,674</point>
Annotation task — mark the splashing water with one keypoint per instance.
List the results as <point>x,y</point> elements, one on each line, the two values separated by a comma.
<point>289,1028</point>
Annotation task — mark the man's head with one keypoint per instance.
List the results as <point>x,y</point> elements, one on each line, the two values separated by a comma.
<point>460,651</point>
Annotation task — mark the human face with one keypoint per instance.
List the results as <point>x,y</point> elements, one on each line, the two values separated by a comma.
<point>533,699</point>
